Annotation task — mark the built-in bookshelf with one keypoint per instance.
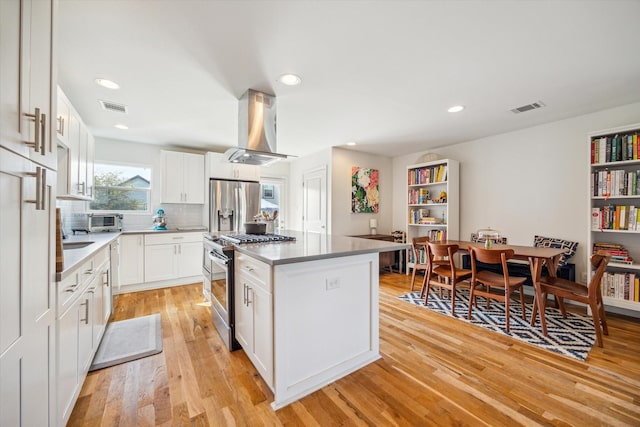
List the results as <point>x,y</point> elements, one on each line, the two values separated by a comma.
<point>614,226</point>
<point>432,201</point>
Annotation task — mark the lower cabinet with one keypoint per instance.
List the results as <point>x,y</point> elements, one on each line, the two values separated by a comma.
<point>82,319</point>
<point>131,259</point>
<point>172,256</point>
<point>254,313</point>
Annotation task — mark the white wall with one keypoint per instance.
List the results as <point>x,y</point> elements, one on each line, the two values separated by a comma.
<point>344,221</point>
<point>532,181</point>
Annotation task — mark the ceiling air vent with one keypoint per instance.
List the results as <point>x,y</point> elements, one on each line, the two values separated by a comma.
<point>528,107</point>
<point>112,106</point>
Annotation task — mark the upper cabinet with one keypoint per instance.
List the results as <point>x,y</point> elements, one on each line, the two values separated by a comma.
<point>182,177</point>
<point>75,153</point>
<point>25,80</point>
<point>219,167</point>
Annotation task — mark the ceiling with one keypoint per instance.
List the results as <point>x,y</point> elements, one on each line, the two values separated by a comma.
<point>379,73</point>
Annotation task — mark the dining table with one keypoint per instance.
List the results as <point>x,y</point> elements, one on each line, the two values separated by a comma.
<point>536,256</point>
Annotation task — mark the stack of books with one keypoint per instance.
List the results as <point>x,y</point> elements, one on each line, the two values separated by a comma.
<point>618,253</point>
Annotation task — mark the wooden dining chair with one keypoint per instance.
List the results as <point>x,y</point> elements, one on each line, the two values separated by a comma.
<point>442,271</point>
<point>483,281</point>
<point>590,294</point>
<point>418,247</point>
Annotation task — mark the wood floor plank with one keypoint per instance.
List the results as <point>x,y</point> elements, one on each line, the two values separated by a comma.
<point>434,370</point>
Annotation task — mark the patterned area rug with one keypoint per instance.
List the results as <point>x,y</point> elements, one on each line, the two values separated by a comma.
<point>573,336</point>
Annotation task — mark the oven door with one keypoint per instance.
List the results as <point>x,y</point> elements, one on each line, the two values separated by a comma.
<point>220,280</point>
<point>220,283</point>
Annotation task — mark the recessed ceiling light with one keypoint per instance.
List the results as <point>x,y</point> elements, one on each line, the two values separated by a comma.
<point>456,109</point>
<point>109,84</point>
<point>290,79</point>
<point>121,126</point>
<point>351,143</point>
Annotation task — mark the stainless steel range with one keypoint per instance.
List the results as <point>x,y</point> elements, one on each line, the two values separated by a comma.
<point>217,269</point>
<point>257,238</point>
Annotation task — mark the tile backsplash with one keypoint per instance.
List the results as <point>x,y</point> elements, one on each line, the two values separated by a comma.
<point>74,214</point>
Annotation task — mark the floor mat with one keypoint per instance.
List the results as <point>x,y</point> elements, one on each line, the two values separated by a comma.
<point>128,340</point>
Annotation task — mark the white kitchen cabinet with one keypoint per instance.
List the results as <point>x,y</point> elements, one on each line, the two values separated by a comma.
<point>80,326</point>
<point>131,259</point>
<point>100,296</point>
<point>68,378</point>
<point>62,118</point>
<point>182,177</point>
<point>254,313</point>
<point>76,153</point>
<point>25,79</point>
<point>27,298</point>
<point>172,256</point>
<point>219,167</point>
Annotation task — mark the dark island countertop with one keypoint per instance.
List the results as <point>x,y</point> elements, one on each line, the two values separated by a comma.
<point>314,246</point>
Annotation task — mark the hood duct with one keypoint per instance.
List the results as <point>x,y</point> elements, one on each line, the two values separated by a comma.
<point>256,130</point>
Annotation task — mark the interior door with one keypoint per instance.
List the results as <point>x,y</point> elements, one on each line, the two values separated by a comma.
<point>314,195</point>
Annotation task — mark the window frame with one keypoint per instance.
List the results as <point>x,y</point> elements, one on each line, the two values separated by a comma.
<point>148,190</point>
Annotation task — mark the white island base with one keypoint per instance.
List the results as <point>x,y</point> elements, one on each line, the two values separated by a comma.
<point>306,324</point>
<point>325,323</point>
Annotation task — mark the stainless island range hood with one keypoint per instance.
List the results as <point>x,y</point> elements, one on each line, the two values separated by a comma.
<point>256,130</point>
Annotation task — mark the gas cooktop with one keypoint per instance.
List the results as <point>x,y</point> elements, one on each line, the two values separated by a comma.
<point>256,238</point>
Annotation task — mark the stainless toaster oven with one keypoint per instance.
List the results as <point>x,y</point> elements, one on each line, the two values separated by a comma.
<point>104,222</point>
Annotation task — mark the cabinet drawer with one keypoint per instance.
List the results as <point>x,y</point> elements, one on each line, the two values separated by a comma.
<point>255,271</point>
<point>170,238</point>
<point>70,288</point>
<point>101,257</point>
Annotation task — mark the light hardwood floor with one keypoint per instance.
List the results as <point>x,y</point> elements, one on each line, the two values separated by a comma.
<point>434,370</point>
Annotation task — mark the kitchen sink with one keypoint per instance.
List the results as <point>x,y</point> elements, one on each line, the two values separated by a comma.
<point>75,245</point>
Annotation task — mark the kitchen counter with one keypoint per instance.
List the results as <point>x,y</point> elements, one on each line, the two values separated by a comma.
<point>73,258</point>
<point>313,246</point>
<point>306,312</point>
<point>170,230</point>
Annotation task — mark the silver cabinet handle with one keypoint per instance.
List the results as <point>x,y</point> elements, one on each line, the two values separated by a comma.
<point>35,117</point>
<point>60,128</point>
<point>91,290</point>
<point>43,134</point>
<point>81,185</point>
<point>244,299</point>
<point>71,288</point>
<point>86,311</point>
<point>41,188</point>
<point>248,268</point>
<point>105,278</point>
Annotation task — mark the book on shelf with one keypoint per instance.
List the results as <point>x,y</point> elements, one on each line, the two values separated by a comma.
<point>615,148</point>
<point>612,183</point>
<point>617,252</point>
<point>623,286</point>
<point>427,175</point>
<point>615,217</point>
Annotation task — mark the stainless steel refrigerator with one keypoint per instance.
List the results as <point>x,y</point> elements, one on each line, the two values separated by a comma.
<point>232,203</point>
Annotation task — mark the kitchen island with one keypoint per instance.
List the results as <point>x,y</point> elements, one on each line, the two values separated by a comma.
<point>306,312</point>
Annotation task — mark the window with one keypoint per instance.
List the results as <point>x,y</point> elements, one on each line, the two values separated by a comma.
<point>272,201</point>
<point>121,188</point>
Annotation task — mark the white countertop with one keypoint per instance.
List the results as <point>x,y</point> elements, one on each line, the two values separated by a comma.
<point>74,257</point>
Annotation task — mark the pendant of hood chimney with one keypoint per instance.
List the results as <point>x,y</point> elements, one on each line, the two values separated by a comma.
<point>256,130</point>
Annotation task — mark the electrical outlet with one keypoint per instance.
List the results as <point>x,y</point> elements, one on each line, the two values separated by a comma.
<point>333,283</point>
<point>584,277</point>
